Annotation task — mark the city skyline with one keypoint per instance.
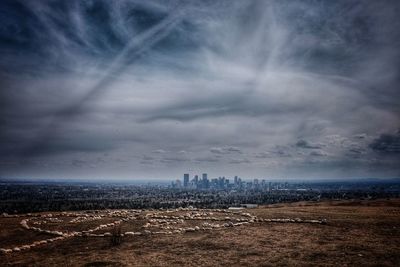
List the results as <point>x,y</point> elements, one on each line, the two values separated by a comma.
<point>128,90</point>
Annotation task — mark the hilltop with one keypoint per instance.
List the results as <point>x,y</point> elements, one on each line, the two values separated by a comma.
<point>334,233</point>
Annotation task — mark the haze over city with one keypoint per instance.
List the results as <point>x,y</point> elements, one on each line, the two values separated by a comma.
<point>119,90</point>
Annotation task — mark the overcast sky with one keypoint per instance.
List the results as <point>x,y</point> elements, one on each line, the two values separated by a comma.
<point>133,89</point>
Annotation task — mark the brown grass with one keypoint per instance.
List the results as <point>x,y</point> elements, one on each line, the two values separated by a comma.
<point>362,233</point>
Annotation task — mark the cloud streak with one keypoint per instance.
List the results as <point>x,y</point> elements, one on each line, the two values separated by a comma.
<point>287,88</point>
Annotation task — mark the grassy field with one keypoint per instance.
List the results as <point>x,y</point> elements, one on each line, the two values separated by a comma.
<point>357,233</point>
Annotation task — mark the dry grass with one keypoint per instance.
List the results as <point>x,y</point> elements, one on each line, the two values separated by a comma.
<point>363,233</point>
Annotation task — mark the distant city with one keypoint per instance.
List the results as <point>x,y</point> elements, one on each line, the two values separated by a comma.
<point>195,191</point>
<point>222,183</point>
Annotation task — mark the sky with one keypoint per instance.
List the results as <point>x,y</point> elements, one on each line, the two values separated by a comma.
<point>133,89</point>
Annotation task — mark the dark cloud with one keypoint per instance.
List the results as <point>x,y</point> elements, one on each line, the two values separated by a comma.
<point>225,150</point>
<point>305,144</point>
<point>239,161</point>
<point>318,153</point>
<point>173,159</point>
<point>65,145</point>
<point>386,143</point>
<point>263,155</point>
<point>281,87</point>
<point>79,163</point>
<point>360,136</point>
<point>281,151</point>
<point>159,151</point>
<point>356,150</point>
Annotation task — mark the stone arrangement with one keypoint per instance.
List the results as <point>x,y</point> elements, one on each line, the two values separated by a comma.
<point>165,222</point>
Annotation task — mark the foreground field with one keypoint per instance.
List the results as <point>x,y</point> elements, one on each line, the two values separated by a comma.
<point>356,233</point>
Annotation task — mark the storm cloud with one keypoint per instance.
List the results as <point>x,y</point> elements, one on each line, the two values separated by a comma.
<point>153,89</point>
<point>387,143</point>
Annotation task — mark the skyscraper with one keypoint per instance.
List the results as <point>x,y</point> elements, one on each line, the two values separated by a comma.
<point>186,180</point>
<point>204,181</point>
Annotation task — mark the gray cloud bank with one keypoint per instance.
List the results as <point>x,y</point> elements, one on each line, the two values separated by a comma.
<point>145,89</point>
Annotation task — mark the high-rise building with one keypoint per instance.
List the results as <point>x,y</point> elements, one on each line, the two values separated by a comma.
<point>186,180</point>
<point>204,181</point>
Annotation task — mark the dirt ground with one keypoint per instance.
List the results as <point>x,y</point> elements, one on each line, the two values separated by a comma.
<point>357,233</point>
